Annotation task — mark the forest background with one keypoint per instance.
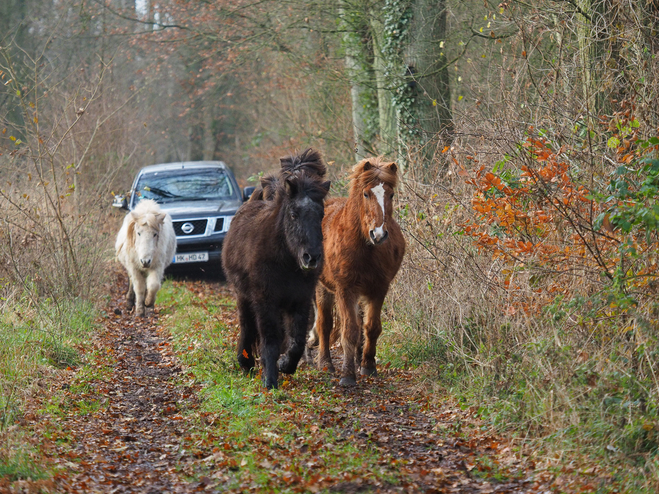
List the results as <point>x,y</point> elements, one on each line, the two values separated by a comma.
<point>527,133</point>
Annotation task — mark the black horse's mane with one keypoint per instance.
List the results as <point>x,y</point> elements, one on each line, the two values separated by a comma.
<point>302,184</point>
<point>308,163</point>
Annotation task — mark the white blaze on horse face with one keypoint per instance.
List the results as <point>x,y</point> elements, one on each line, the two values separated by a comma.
<point>379,195</point>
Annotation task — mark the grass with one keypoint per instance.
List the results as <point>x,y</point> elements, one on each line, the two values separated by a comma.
<point>36,339</point>
<point>17,462</point>
<point>253,428</point>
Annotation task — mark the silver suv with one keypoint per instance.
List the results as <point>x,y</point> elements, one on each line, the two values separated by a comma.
<point>202,198</point>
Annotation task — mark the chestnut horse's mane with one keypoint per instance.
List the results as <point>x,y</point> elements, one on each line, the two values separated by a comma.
<point>372,170</point>
<point>146,212</point>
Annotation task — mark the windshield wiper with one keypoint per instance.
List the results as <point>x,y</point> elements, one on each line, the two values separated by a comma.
<point>161,192</point>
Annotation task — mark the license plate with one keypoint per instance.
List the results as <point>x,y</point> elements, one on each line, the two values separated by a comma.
<point>191,257</point>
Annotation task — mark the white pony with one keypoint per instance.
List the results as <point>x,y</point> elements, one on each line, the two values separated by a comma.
<point>145,246</point>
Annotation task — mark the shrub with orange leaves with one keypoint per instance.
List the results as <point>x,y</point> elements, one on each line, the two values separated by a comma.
<point>537,216</point>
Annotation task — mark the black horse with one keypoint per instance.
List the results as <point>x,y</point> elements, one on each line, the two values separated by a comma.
<point>272,256</point>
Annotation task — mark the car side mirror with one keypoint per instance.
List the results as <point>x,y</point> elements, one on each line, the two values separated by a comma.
<point>120,201</point>
<point>248,191</point>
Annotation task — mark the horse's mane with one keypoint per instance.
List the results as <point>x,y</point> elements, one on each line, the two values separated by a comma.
<point>147,213</point>
<point>304,184</point>
<point>266,189</point>
<point>372,170</point>
<point>308,161</point>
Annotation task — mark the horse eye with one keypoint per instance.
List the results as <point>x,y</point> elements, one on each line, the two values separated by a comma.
<point>293,215</point>
<point>392,195</point>
<point>155,235</point>
<point>365,195</point>
<point>139,234</point>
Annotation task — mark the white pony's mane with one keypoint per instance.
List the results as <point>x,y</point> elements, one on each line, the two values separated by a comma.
<point>146,206</point>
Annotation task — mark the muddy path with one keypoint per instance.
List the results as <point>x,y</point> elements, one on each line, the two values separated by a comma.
<point>132,419</point>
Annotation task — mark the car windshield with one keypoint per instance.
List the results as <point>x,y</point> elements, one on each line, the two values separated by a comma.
<point>184,185</point>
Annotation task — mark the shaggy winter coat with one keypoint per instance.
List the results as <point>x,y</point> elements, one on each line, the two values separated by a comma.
<point>145,245</point>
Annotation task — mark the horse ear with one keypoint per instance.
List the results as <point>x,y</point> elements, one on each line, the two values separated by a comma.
<point>326,185</point>
<point>291,187</point>
<point>134,216</point>
<point>367,165</point>
<point>160,217</point>
<point>393,168</point>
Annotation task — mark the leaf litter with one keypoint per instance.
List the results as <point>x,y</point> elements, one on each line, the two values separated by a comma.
<point>133,420</point>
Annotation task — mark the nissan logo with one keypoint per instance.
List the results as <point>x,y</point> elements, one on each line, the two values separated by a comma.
<point>187,228</point>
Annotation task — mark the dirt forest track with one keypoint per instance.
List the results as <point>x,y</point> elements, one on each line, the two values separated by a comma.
<point>143,430</point>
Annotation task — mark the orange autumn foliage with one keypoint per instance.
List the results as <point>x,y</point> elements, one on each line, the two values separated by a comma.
<point>537,218</point>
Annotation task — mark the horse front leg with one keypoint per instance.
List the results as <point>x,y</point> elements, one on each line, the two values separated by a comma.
<point>139,286</point>
<point>349,312</point>
<point>152,287</point>
<point>271,334</point>
<point>130,295</point>
<point>324,322</point>
<point>372,330</point>
<point>297,339</point>
<point>312,339</point>
<point>248,335</point>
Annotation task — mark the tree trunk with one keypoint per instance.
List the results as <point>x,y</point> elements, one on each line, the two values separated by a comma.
<point>209,135</point>
<point>387,113</point>
<point>357,58</point>
<point>428,77</point>
<point>590,52</point>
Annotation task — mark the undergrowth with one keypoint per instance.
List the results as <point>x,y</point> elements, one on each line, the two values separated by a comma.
<point>529,292</point>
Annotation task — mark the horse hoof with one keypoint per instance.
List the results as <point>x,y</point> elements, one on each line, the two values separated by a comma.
<point>368,371</point>
<point>326,367</point>
<point>286,366</point>
<point>348,381</point>
<point>246,364</point>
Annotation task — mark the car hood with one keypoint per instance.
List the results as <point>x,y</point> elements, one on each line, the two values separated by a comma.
<point>201,208</point>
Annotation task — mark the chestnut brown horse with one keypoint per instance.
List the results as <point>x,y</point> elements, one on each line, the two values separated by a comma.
<point>364,248</point>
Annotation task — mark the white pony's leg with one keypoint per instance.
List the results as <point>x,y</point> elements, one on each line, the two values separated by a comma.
<point>139,285</point>
<point>152,287</point>
<point>130,295</point>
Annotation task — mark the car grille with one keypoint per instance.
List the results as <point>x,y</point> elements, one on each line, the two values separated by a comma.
<point>219,225</point>
<point>199,228</point>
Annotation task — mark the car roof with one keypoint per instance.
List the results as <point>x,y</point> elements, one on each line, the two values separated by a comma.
<point>183,165</point>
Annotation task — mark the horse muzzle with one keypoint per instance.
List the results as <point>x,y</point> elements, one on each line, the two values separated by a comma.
<point>145,262</point>
<point>378,235</point>
<point>310,262</point>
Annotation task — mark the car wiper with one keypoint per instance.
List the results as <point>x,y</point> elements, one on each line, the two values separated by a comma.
<point>160,192</point>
